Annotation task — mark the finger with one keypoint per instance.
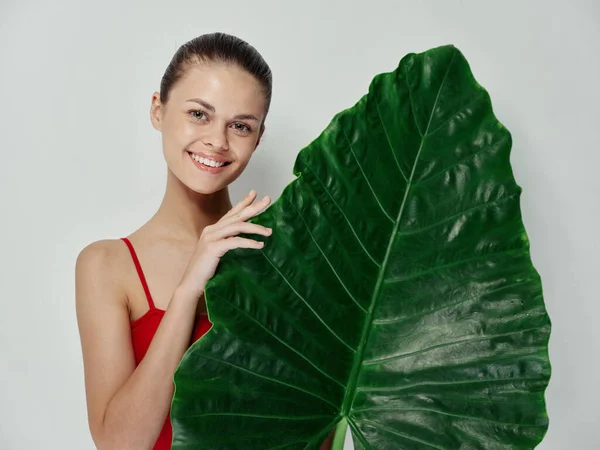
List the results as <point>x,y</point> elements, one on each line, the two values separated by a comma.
<point>263,202</point>
<point>247,200</point>
<point>256,208</point>
<point>224,245</point>
<point>248,211</point>
<point>240,227</point>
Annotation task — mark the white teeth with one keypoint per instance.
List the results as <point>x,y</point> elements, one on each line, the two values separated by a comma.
<point>206,161</point>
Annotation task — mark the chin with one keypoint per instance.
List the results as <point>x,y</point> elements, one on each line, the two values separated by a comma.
<point>208,183</point>
<point>205,187</point>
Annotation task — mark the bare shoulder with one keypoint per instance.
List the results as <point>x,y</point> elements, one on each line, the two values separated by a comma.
<point>98,267</point>
<point>104,327</point>
<point>101,251</point>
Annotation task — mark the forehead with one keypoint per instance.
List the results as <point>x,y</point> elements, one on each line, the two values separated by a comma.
<point>230,89</point>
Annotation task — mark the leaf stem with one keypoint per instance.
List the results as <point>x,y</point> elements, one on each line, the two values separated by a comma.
<point>339,435</point>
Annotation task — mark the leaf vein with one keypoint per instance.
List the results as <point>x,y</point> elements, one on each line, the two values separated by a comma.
<point>327,259</point>
<point>396,389</point>
<point>460,416</point>
<point>344,215</point>
<point>452,264</point>
<point>397,433</point>
<point>428,312</point>
<point>333,333</point>
<point>358,434</point>
<point>292,349</point>
<point>460,161</point>
<point>476,97</point>
<point>461,213</point>
<point>365,176</point>
<point>446,344</point>
<point>412,103</point>
<point>274,380</point>
<point>258,416</point>
<point>388,138</point>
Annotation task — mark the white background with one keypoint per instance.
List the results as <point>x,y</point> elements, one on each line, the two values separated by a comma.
<point>81,162</point>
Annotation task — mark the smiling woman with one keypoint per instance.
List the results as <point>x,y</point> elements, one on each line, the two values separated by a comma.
<point>223,124</point>
<point>135,324</point>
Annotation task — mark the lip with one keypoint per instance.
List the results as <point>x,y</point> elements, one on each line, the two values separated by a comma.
<point>204,168</point>
<point>213,157</point>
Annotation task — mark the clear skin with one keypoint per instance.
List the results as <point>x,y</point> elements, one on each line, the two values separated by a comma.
<point>179,248</point>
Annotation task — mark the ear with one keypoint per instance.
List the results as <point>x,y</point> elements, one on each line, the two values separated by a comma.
<point>262,130</point>
<point>156,111</point>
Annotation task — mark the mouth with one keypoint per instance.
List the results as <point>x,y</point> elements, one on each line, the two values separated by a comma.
<point>207,164</point>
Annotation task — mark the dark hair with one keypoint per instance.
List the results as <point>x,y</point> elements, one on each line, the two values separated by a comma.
<point>217,47</point>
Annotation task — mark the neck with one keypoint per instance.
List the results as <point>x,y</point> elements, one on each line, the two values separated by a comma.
<point>183,213</point>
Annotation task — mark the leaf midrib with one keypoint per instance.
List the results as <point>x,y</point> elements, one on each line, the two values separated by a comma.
<point>367,327</point>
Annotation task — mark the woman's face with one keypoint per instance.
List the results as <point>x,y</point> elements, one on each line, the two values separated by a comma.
<point>215,110</point>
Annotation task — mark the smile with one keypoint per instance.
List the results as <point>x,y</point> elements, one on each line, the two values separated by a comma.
<point>208,165</point>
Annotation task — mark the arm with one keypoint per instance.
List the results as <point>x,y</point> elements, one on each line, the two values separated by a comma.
<point>126,405</point>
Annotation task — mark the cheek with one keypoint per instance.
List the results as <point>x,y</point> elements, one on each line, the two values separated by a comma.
<point>179,135</point>
<point>244,146</point>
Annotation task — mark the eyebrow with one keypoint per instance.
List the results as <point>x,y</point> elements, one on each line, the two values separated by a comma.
<point>211,108</point>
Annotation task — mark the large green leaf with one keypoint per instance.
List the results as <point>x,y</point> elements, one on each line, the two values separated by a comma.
<point>396,293</point>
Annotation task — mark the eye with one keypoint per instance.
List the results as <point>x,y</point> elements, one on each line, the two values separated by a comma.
<point>198,114</point>
<point>242,128</point>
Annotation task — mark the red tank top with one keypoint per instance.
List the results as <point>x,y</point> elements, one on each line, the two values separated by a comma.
<point>142,332</point>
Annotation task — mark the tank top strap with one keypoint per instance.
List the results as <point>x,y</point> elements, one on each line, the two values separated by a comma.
<point>138,267</point>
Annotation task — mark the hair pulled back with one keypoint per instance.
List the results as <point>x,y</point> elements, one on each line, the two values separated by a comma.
<point>217,47</point>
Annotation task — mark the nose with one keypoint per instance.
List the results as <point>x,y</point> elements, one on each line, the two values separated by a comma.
<point>216,136</point>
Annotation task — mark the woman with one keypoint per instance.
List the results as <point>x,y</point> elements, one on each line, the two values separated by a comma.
<point>134,324</point>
